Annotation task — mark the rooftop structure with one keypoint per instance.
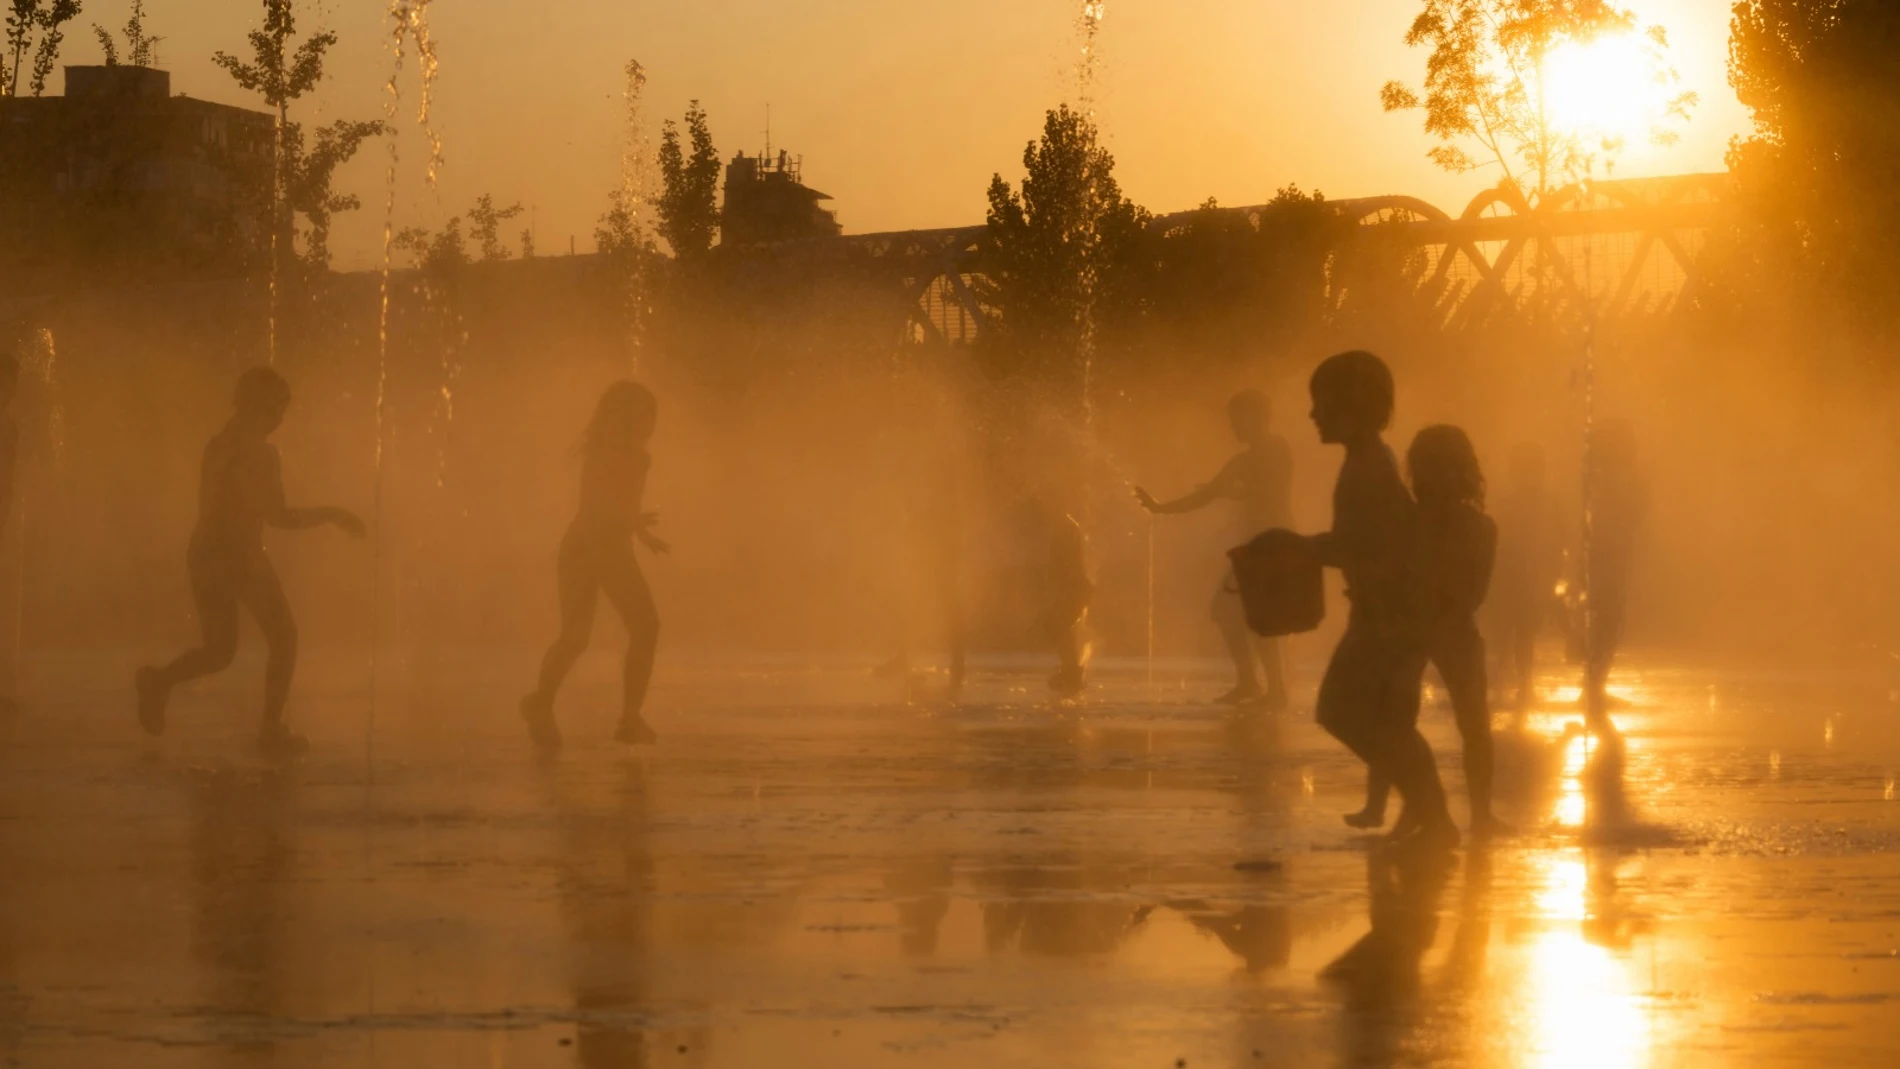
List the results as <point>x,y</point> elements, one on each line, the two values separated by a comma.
<point>767,201</point>
<point>119,177</point>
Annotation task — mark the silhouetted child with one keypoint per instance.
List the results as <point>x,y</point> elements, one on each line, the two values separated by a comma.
<point>1457,544</point>
<point>1530,561</point>
<point>9,457</point>
<point>597,558</point>
<point>241,492</point>
<point>1063,592</point>
<point>1369,697</point>
<point>1258,482</point>
<point>1618,503</point>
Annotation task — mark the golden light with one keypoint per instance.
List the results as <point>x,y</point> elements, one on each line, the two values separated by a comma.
<point>1581,1005</point>
<point>1604,88</point>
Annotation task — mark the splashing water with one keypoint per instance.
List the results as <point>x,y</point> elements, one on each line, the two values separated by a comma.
<point>634,188</point>
<point>41,366</point>
<point>1088,26</point>
<point>408,29</point>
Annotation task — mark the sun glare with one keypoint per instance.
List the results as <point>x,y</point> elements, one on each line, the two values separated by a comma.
<point>1604,88</point>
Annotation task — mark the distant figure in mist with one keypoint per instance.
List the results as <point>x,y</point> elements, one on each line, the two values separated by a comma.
<point>1369,697</point>
<point>1257,481</point>
<point>597,558</point>
<point>241,492</point>
<point>1618,498</point>
<point>1530,561</point>
<point>9,459</point>
<point>1063,592</point>
<point>931,586</point>
<point>1457,545</point>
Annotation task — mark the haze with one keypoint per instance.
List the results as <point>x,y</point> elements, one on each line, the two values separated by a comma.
<point>902,111</point>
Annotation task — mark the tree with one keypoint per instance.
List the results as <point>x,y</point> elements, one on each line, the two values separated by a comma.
<point>617,236</point>
<point>308,178</point>
<point>280,75</point>
<point>689,209</point>
<point>485,222</point>
<point>1058,250</point>
<point>1815,180</point>
<point>1484,89</point>
<point>141,49</point>
<point>27,20</point>
<point>438,254</point>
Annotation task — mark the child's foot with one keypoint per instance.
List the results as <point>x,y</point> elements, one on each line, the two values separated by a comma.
<point>279,743</point>
<point>1242,694</point>
<point>152,695</point>
<point>635,731</point>
<point>1067,683</point>
<point>1275,701</point>
<point>1366,818</point>
<point>538,711</point>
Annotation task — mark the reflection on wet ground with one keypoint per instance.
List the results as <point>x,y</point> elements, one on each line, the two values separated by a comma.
<point>805,872</point>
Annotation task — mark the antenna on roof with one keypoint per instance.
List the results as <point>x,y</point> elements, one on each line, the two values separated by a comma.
<point>768,131</point>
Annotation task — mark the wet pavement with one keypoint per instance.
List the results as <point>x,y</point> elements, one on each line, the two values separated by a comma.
<point>809,872</point>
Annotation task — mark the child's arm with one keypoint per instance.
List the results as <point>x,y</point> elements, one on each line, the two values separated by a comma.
<point>279,514</point>
<point>1220,487</point>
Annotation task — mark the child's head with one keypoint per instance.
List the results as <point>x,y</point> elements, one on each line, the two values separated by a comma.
<point>1527,467</point>
<point>1250,414</point>
<point>624,417</point>
<point>1352,397</point>
<point>1445,468</point>
<point>261,399</point>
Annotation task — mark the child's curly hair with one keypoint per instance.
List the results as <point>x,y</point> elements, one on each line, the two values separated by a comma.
<point>1445,468</point>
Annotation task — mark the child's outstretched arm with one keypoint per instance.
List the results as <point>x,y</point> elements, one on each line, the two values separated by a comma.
<point>279,514</point>
<point>1219,488</point>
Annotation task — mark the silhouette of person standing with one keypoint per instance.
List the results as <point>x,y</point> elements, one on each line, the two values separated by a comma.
<point>597,558</point>
<point>1457,546</point>
<point>1258,482</point>
<point>1530,561</point>
<point>1619,501</point>
<point>9,462</point>
<point>1368,699</point>
<point>241,492</point>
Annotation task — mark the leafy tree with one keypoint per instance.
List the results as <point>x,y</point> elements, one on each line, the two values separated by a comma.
<point>617,235</point>
<point>1063,246</point>
<point>438,253</point>
<point>485,222</point>
<point>308,180</point>
<point>280,74</point>
<point>1484,85</point>
<point>141,49</point>
<point>1815,180</point>
<point>688,208</point>
<point>26,21</point>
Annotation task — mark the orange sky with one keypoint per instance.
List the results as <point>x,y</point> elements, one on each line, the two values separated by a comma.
<point>901,110</point>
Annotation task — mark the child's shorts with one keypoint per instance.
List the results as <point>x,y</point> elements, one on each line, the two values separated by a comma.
<point>1372,683</point>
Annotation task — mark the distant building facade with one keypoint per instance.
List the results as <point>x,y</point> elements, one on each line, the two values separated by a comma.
<point>119,178</point>
<point>767,201</point>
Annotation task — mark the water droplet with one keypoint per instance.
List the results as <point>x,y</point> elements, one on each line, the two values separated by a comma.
<point>1887,793</point>
<point>1307,788</point>
<point>1774,763</point>
<point>1827,732</point>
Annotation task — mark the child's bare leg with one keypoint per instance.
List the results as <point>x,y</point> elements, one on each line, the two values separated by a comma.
<point>1273,659</point>
<point>1373,815</point>
<point>626,589</point>
<point>264,596</point>
<point>579,591</point>
<point>1231,617</point>
<point>217,609</point>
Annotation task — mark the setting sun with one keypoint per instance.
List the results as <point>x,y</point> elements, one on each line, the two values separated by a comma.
<point>1605,88</point>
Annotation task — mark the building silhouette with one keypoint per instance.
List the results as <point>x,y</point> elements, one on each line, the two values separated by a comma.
<point>767,201</point>
<point>119,178</point>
